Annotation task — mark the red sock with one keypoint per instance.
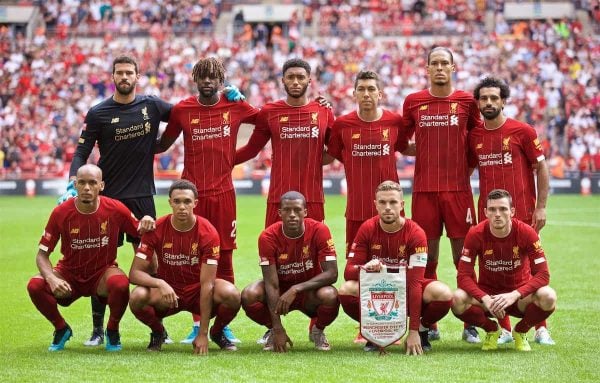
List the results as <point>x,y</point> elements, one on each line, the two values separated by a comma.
<point>45,302</point>
<point>430,270</point>
<point>351,306</point>
<point>196,318</point>
<point>147,315</point>
<point>225,266</point>
<point>476,316</point>
<point>533,314</point>
<point>118,297</point>
<point>259,312</point>
<point>541,324</point>
<point>505,323</point>
<point>224,315</point>
<point>326,315</point>
<point>434,311</point>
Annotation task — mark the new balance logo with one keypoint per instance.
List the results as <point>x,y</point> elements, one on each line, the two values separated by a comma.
<point>423,107</point>
<point>115,120</point>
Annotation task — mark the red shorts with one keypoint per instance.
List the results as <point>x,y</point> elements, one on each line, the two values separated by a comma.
<point>453,210</point>
<point>299,302</point>
<point>189,300</point>
<point>220,211</point>
<point>314,210</point>
<point>80,288</point>
<point>351,230</point>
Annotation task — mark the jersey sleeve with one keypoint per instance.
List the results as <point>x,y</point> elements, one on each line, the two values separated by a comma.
<point>407,118</point>
<point>466,277</point>
<point>164,108</point>
<point>51,233</point>
<point>402,138</point>
<point>325,244</point>
<point>537,261</point>
<point>249,113</point>
<point>474,115</point>
<point>259,138</point>
<point>209,246</point>
<point>148,245</point>
<point>267,250</point>
<point>87,140</point>
<point>358,254</point>
<point>335,146</point>
<point>531,145</point>
<point>330,122</point>
<point>129,223</point>
<point>415,273</point>
<point>174,127</point>
<point>471,154</point>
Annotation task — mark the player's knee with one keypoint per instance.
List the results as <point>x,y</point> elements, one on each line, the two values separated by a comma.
<point>546,298</point>
<point>252,293</point>
<point>118,283</point>
<point>226,293</point>
<point>440,292</point>
<point>459,301</point>
<point>139,296</point>
<point>328,295</point>
<point>349,288</point>
<point>36,285</point>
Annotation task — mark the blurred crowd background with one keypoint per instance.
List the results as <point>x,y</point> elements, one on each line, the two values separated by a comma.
<point>53,71</point>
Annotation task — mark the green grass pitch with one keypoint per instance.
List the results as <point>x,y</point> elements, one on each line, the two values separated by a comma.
<point>571,240</point>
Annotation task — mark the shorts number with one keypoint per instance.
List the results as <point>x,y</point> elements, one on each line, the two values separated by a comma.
<point>469,217</point>
<point>234,230</point>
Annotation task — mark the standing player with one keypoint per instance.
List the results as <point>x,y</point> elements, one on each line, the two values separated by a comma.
<point>508,155</point>
<point>186,247</point>
<point>210,125</point>
<point>88,227</point>
<point>390,239</point>
<point>299,267</point>
<point>125,126</point>
<point>298,130</point>
<point>513,274</point>
<point>440,117</point>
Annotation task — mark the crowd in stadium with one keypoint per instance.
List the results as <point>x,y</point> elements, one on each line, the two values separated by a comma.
<point>48,82</point>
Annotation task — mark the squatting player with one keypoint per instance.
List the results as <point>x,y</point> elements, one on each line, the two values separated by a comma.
<point>440,117</point>
<point>125,126</point>
<point>513,274</point>
<point>389,238</point>
<point>88,227</point>
<point>186,247</point>
<point>299,267</point>
<point>509,156</point>
<point>210,125</point>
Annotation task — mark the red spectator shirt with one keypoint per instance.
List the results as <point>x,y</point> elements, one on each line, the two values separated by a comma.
<point>297,259</point>
<point>180,254</point>
<point>440,125</point>
<point>505,157</point>
<point>367,150</point>
<point>407,247</point>
<point>298,135</point>
<point>209,139</point>
<point>88,241</point>
<point>516,262</point>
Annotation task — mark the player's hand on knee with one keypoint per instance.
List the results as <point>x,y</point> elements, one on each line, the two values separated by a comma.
<point>168,294</point>
<point>59,287</point>
<point>285,301</point>
<point>232,93</point>
<point>200,344</point>
<point>146,224</point>
<point>71,192</point>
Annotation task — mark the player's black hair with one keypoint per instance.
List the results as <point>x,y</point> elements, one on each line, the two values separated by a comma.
<point>183,185</point>
<point>435,49</point>
<point>499,194</point>
<point>296,63</point>
<point>367,75</point>
<point>492,82</point>
<point>124,60</point>
<point>209,67</point>
<point>292,195</point>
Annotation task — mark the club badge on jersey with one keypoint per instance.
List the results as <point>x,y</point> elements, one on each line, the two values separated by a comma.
<point>383,305</point>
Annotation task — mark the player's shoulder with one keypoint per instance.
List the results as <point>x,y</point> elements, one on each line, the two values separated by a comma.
<point>106,104</point>
<point>111,204</point>
<point>204,224</point>
<point>479,229</point>
<point>346,120</point>
<point>523,228</point>
<point>515,126</point>
<point>272,231</point>
<point>163,221</point>
<point>413,227</point>
<point>390,115</point>
<point>186,102</point>
<point>274,106</point>
<point>461,95</point>
<point>314,224</point>
<point>419,95</point>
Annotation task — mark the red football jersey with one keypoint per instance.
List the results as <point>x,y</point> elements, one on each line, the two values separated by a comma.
<point>88,241</point>
<point>367,150</point>
<point>440,125</point>
<point>298,136</point>
<point>407,246</point>
<point>209,139</point>
<point>180,254</point>
<point>296,259</point>
<point>505,157</point>
<point>516,262</point>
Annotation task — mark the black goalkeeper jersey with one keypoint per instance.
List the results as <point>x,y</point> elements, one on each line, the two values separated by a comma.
<point>126,136</point>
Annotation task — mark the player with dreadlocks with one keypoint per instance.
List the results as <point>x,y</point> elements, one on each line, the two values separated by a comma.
<point>210,125</point>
